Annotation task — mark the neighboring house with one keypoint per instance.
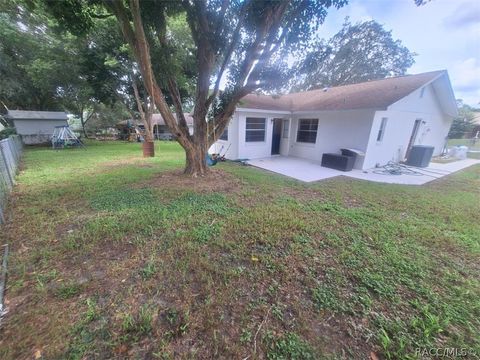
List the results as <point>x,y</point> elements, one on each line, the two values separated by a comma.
<point>382,119</point>
<point>36,127</point>
<point>160,129</point>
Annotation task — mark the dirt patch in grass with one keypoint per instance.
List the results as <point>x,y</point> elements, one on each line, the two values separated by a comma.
<point>216,180</point>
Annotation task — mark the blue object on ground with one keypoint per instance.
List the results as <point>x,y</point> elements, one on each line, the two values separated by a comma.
<point>210,161</point>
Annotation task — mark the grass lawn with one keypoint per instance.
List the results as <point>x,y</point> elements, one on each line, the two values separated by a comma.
<point>116,256</point>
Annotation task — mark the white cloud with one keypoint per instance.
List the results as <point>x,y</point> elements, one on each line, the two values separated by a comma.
<point>443,33</point>
<point>466,74</point>
<point>465,77</point>
<point>465,15</point>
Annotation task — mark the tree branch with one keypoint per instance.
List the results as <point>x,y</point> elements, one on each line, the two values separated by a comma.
<point>177,101</point>
<point>137,97</point>
<point>228,55</point>
<point>137,39</point>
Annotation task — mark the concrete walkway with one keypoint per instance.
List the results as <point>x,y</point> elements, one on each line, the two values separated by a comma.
<point>309,171</point>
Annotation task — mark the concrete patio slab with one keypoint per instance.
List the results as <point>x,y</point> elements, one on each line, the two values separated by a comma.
<point>309,171</point>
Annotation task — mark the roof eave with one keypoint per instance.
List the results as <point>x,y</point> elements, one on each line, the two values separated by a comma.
<point>244,109</point>
<point>301,112</point>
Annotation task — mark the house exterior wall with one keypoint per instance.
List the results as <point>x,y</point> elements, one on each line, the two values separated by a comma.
<point>336,130</point>
<point>351,129</point>
<point>240,149</point>
<point>231,144</point>
<point>37,131</point>
<point>255,150</point>
<point>401,119</point>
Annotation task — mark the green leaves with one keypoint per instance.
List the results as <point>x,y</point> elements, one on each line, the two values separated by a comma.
<point>357,53</point>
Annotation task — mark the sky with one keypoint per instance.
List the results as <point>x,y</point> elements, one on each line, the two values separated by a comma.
<point>444,33</point>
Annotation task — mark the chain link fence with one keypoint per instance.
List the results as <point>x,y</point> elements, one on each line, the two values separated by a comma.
<point>10,151</point>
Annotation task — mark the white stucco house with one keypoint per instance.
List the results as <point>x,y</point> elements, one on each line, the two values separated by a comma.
<point>36,127</point>
<point>381,119</point>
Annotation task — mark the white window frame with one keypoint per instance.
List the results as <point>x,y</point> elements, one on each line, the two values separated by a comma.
<point>264,130</point>
<point>381,129</point>
<point>285,128</point>
<point>299,124</point>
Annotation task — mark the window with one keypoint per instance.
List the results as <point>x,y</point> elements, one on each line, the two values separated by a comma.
<point>307,130</point>
<point>255,130</point>
<point>286,126</point>
<point>224,135</point>
<point>162,129</point>
<point>381,131</point>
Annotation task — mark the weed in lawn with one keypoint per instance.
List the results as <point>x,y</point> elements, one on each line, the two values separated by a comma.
<point>277,311</point>
<point>66,291</point>
<point>90,335</point>
<point>44,279</point>
<point>119,199</point>
<point>205,204</point>
<point>176,321</point>
<point>204,233</point>
<point>246,336</point>
<point>289,346</point>
<point>377,283</point>
<point>128,323</point>
<point>149,270</point>
<point>144,321</point>
<point>325,298</point>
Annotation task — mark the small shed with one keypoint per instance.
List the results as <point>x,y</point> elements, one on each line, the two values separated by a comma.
<point>36,127</point>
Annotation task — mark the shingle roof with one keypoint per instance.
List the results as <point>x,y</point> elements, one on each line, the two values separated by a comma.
<point>377,94</point>
<point>36,115</point>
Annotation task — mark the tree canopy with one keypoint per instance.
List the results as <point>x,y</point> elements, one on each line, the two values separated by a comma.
<point>243,41</point>
<point>358,52</point>
<point>179,51</point>
<point>37,64</point>
<point>463,124</point>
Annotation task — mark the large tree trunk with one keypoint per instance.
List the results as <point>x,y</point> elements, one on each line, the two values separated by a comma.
<point>195,145</point>
<point>148,140</point>
<point>196,164</point>
<point>196,151</point>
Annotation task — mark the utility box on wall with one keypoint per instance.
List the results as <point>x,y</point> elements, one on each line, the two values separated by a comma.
<point>420,155</point>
